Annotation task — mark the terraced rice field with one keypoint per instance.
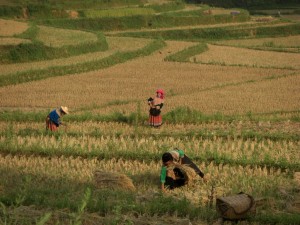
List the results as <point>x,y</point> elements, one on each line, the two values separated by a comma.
<point>256,156</point>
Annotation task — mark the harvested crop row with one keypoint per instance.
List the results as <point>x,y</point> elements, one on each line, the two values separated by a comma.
<point>265,151</point>
<point>225,178</point>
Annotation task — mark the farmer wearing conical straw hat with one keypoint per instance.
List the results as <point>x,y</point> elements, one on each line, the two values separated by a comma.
<point>53,119</point>
<point>177,170</point>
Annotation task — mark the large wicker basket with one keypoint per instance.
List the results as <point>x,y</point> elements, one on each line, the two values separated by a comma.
<point>236,207</point>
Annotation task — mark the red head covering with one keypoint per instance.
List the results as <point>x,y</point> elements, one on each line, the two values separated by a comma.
<point>162,93</point>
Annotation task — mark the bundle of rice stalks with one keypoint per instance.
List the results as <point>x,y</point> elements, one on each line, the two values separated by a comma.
<point>111,180</point>
<point>188,172</point>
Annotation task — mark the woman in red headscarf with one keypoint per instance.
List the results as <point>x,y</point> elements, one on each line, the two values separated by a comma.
<point>155,118</point>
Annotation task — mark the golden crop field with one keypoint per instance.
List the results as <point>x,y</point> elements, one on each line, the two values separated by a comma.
<point>236,56</point>
<point>244,136</point>
<point>198,86</point>
<point>81,170</point>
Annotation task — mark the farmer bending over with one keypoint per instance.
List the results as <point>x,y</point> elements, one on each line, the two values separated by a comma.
<point>172,175</point>
<point>53,118</point>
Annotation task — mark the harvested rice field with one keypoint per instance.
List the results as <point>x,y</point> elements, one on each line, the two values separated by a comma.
<point>236,56</point>
<point>193,85</point>
<point>233,109</point>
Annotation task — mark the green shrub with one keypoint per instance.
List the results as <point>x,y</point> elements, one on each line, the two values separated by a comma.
<point>29,52</point>
<point>219,33</point>
<point>10,11</point>
<point>140,21</point>
<point>39,10</point>
<point>185,54</point>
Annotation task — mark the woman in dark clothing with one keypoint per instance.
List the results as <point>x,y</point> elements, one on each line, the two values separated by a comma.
<point>156,104</point>
<point>171,177</point>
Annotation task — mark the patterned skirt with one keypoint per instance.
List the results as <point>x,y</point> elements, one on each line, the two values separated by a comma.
<point>155,121</point>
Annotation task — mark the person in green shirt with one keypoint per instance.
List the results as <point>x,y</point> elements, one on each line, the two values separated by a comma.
<point>171,177</point>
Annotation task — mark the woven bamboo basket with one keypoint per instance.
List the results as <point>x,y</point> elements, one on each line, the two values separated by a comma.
<point>235,207</point>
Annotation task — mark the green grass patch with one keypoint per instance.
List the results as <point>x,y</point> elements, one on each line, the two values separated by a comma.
<point>220,33</point>
<point>184,55</point>
<point>8,11</point>
<point>141,21</point>
<point>166,7</point>
<point>37,51</point>
<point>184,115</point>
<point>57,9</point>
<point>93,13</point>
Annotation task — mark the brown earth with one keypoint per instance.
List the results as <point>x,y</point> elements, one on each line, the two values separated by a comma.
<point>11,27</point>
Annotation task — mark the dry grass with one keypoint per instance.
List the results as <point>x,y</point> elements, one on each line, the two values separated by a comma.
<point>189,173</point>
<point>11,27</point>
<point>227,179</point>
<point>13,41</point>
<point>266,96</point>
<point>236,56</point>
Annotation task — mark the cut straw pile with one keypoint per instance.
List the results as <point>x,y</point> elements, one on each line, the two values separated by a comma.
<point>111,180</point>
<point>188,172</point>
